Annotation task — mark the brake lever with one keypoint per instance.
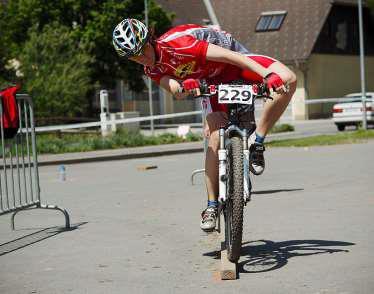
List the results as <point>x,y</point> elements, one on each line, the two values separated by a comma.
<point>266,97</point>
<point>263,92</point>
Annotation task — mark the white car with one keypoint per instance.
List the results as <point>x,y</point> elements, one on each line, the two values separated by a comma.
<point>350,113</point>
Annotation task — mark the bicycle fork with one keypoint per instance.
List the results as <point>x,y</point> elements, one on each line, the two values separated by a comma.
<point>222,164</point>
<point>247,185</point>
<point>222,169</point>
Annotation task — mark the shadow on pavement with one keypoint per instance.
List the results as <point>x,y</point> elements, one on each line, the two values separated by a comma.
<point>35,237</point>
<point>264,255</point>
<point>275,191</point>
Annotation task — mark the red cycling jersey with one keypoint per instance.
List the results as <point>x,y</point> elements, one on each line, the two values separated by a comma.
<point>181,54</point>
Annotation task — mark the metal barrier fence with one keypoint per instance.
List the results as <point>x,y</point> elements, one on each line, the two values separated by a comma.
<point>19,176</point>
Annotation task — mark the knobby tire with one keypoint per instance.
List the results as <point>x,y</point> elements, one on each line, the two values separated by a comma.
<point>235,202</point>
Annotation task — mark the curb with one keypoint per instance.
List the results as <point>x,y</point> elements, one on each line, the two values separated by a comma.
<point>119,154</point>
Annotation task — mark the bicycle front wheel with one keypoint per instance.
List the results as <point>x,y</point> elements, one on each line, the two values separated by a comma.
<point>235,202</point>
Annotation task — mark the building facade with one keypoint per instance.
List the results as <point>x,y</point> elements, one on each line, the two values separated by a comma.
<point>318,40</point>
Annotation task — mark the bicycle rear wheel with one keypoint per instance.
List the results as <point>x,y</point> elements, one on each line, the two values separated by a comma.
<point>235,202</point>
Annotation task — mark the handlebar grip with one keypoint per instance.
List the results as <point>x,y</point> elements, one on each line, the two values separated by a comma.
<point>204,87</point>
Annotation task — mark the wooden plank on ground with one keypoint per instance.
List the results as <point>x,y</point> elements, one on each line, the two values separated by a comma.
<point>146,167</point>
<point>228,268</point>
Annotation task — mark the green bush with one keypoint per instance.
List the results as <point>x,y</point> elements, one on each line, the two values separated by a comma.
<point>123,138</point>
<point>62,143</point>
<point>281,128</point>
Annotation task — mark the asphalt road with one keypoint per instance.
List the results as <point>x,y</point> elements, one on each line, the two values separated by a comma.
<point>308,229</point>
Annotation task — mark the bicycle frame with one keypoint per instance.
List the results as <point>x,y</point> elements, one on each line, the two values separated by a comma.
<point>231,137</point>
<point>225,133</point>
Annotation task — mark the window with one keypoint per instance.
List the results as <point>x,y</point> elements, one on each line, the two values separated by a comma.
<point>339,34</point>
<point>270,21</point>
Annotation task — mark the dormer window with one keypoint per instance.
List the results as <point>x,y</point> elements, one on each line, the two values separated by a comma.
<point>270,21</point>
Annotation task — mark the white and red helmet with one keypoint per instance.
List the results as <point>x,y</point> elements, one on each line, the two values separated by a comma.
<point>129,37</point>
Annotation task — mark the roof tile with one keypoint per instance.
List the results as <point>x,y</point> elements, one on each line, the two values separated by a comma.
<point>294,40</point>
<point>192,11</point>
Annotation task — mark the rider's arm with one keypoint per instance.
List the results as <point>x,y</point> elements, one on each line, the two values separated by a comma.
<point>171,85</point>
<point>219,54</point>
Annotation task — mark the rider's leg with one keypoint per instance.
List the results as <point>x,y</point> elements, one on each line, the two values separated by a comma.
<point>273,109</point>
<point>214,121</point>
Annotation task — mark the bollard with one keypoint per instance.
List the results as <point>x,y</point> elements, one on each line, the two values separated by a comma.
<point>104,102</point>
<point>113,126</point>
<point>104,115</point>
<point>105,127</point>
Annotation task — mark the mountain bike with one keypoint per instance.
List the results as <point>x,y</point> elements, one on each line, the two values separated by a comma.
<point>234,156</point>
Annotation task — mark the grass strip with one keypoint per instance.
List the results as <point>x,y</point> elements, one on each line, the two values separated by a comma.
<point>359,136</point>
<point>65,143</point>
<point>281,128</point>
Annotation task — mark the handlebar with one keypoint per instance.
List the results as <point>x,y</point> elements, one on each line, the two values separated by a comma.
<point>206,90</point>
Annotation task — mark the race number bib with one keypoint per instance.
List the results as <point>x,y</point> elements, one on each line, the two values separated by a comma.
<point>239,94</point>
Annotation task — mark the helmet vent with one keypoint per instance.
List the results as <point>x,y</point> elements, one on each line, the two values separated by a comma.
<point>129,36</point>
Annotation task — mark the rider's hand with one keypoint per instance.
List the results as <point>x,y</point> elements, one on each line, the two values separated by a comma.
<point>192,86</point>
<point>275,83</point>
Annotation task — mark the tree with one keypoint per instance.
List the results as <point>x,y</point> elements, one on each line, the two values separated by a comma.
<point>91,22</point>
<point>6,75</point>
<point>57,71</point>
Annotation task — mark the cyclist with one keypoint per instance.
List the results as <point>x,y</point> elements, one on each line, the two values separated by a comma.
<point>188,53</point>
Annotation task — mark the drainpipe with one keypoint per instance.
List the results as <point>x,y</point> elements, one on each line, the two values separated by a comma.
<point>362,65</point>
<point>211,13</point>
<point>303,67</point>
<point>149,84</point>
